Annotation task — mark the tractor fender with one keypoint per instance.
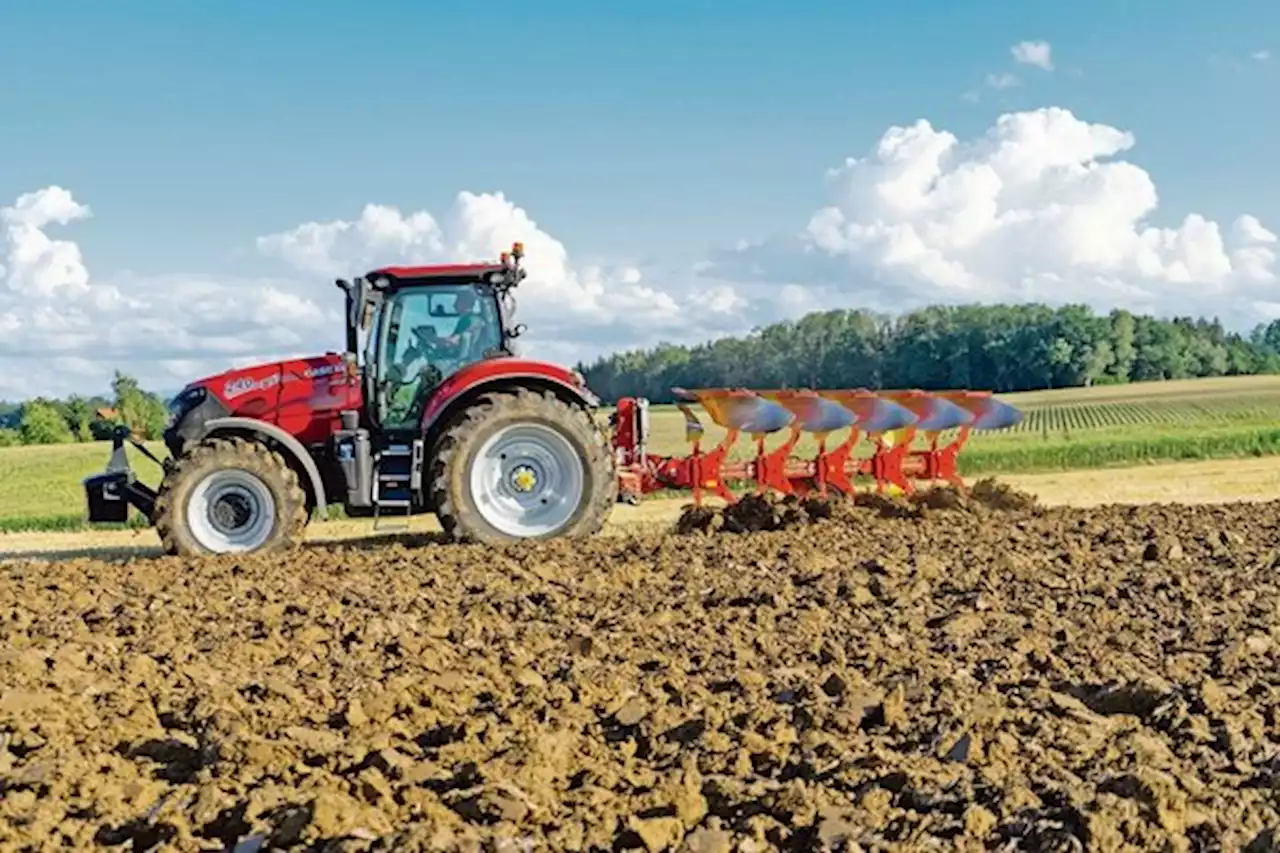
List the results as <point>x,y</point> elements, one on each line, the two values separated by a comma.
<point>286,441</point>
<point>497,374</point>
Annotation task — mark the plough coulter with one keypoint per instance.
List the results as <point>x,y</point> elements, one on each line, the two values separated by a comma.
<point>430,410</point>
<point>890,421</point>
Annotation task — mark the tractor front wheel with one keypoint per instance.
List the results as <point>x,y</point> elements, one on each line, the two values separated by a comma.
<point>522,465</point>
<point>230,496</point>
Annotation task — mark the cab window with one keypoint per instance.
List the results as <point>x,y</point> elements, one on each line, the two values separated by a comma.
<point>430,334</point>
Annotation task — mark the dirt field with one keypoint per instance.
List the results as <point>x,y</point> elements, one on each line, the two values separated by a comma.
<point>1059,679</point>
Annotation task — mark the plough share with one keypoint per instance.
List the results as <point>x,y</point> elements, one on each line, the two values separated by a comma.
<point>890,420</point>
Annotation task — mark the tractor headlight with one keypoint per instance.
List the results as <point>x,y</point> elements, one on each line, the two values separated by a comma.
<point>183,403</point>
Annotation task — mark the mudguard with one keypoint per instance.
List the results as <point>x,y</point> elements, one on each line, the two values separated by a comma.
<point>506,372</point>
<point>288,442</point>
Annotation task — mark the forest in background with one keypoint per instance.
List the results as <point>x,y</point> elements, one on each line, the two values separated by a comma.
<point>1001,348</point>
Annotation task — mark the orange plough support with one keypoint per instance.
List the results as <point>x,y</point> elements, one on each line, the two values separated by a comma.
<point>891,421</point>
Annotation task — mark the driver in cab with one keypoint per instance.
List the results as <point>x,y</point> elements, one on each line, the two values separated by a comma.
<point>428,346</point>
<point>430,357</point>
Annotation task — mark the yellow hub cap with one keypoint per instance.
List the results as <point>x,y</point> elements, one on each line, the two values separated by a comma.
<point>523,479</point>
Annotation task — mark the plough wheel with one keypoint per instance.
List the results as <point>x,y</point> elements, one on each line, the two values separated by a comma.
<point>522,465</point>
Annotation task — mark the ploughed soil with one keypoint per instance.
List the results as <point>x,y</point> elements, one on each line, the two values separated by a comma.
<point>939,673</point>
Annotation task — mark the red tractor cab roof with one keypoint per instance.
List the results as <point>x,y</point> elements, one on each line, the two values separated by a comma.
<point>437,271</point>
<point>507,269</point>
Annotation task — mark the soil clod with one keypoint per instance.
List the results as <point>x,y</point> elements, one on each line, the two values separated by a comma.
<point>756,512</point>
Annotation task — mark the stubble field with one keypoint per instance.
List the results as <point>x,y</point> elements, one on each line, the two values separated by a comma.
<point>972,676</point>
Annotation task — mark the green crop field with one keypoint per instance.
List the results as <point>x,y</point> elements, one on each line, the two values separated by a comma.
<point>1068,429</point>
<point>1077,428</point>
<point>40,486</point>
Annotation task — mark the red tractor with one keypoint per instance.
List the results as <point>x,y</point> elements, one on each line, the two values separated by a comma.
<point>428,410</point>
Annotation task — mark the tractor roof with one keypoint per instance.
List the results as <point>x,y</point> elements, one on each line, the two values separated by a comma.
<point>507,269</point>
<point>452,271</point>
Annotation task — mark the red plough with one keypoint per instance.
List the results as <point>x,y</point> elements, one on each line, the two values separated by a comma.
<point>890,420</point>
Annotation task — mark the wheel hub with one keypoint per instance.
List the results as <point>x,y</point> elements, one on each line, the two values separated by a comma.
<point>523,478</point>
<point>231,511</point>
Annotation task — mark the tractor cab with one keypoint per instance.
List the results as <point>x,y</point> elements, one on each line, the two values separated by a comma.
<point>414,327</point>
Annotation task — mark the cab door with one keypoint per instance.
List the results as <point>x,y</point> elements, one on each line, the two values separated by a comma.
<point>420,346</point>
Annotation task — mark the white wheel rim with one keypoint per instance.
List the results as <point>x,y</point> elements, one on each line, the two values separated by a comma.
<point>231,511</point>
<point>527,480</point>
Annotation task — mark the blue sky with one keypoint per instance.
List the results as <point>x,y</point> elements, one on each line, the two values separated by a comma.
<point>632,132</point>
<point>194,127</point>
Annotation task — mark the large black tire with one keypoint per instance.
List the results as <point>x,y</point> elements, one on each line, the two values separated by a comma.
<point>456,454</point>
<point>255,466</point>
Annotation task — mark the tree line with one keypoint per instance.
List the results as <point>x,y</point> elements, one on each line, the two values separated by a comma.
<point>1001,348</point>
<point>44,420</point>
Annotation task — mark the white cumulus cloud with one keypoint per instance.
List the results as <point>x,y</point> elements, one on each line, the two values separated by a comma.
<point>568,307</point>
<point>37,264</point>
<point>63,331</point>
<point>1037,53</point>
<point>1037,208</point>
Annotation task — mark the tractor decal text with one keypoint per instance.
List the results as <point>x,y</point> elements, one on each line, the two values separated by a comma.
<point>239,387</point>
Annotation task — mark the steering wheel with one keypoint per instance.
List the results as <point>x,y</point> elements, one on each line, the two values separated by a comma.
<point>431,346</point>
<point>428,340</point>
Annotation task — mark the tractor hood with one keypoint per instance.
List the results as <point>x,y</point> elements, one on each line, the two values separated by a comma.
<point>302,396</point>
<point>253,391</point>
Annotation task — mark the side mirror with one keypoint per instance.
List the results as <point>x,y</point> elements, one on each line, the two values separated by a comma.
<point>517,330</point>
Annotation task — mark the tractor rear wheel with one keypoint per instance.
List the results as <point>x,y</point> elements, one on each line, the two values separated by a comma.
<point>522,465</point>
<point>230,496</point>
